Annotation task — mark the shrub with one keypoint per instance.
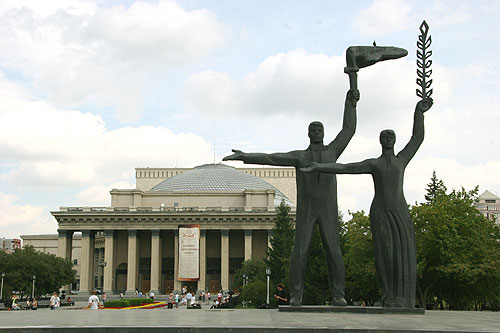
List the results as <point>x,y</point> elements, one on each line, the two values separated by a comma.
<point>254,292</point>
<point>116,304</point>
<point>135,301</point>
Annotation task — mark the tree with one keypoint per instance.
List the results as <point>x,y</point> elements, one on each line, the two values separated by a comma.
<point>254,269</point>
<point>435,188</point>
<point>361,275</point>
<point>316,286</point>
<point>51,272</point>
<point>282,240</point>
<point>458,253</point>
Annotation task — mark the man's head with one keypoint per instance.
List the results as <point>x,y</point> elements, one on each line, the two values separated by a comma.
<point>387,138</point>
<point>316,132</point>
<point>281,286</point>
<point>93,292</point>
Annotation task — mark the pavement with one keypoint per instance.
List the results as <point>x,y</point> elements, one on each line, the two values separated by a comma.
<point>205,320</point>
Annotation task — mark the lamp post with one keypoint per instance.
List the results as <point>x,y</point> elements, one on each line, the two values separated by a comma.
<point>33,289</point>
<point>268,273</point>
<point>1,288</point>
<point>244,279</point>
<point>102,264</point>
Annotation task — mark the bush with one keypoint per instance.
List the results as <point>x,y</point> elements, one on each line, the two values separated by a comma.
<point>147,301</point>
<point>255,292</point>
<point>116,304</point>
<point>135,301</point>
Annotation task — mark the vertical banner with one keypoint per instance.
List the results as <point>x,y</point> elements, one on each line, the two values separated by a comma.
<point>189,253</point>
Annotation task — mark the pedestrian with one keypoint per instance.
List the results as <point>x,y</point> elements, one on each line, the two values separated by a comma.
<point>140,294</point>
<point>170,300</point>
<point>152,295</point>
<point>281,296</point>
<point>121,295</point>
<point>93,301</point>
<point>136,292</point>
<point>208,298</point>
<point>203,296</point>
<point>104,298</point>
<point>177,299</point>
<point>219,296</point>
<point>53,301</point>
<point>34,304</point>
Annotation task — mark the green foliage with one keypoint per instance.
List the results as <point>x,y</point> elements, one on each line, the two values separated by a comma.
<point>458,253</point>
<point>51,272</point>
<point>282,239</point>
<point>116,304</point>
<point>255,292</point>
<point>316,286</point>
<point>128,302</point>
<point>254,269</point>
<point>135,301</point>
<point>361,276</point>
<point>435,188</point>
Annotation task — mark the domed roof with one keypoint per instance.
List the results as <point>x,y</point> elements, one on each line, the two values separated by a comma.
<point>216,177</point>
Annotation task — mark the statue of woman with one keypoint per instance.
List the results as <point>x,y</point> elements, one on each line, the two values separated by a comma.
<point>391,224</point>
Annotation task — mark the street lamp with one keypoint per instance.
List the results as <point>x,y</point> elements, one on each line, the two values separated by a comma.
<point>268,273</point>
<point>244,279</point>
<point>1,288</point>
<point>33,289</point>
<point>102,264</point>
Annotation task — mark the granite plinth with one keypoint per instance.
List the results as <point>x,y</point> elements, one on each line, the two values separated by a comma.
<point>351,309</point>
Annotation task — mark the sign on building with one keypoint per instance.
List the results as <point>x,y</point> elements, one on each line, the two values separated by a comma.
<point>189,253</point>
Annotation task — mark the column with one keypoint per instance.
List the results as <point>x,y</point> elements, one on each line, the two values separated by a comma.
<point>248,244</point>
<point>155,261</point>
<point>177,284</point>
<point>65,243</point>
<point>203,261</point>
<point>224,259</point>
<point>64,248</point>
<point>109,255</point>
<point>87,261</point>
<point>132,262</point>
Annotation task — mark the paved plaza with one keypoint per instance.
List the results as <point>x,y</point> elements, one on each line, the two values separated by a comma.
<point>248,320</point>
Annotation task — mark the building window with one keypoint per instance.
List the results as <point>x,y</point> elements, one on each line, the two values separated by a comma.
<point>75,261</point>
<point>490,201</point>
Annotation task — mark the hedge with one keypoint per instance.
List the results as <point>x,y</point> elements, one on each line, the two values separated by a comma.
<point>116,304</point>
<point>128,302</point>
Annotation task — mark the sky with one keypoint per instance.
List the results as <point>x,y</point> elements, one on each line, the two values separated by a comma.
<point>90,90</point>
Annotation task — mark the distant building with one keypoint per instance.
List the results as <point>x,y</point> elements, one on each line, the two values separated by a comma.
<point>10,244</point>
<point>177,227</point>
<point>489,204</point>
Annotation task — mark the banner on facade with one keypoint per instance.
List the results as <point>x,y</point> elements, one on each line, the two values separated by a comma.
<point>189,253</point>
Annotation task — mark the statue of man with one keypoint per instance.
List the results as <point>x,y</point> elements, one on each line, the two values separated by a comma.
<point>391,224</point>
<point>316,200</point>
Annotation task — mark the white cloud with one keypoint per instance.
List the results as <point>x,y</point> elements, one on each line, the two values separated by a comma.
<point>98,195</point>
<point>16,219</point>
<point>104,56</point>
<point>383,16</point>
<point>55,148</point>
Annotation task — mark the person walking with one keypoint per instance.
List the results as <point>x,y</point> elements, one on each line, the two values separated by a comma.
<point>53,301</point>
<point>93,301</point>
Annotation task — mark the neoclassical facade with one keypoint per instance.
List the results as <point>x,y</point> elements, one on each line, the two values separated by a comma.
<point>134,243</point>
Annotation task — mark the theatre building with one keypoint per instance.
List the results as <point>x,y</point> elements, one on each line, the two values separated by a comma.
<point>178,227</point>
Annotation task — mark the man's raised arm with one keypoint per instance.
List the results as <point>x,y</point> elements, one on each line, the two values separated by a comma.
<point>417,136</point>
<point>279,159</point>
<point>348,124</point>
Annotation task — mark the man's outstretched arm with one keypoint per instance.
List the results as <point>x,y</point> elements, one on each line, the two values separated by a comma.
<point>278,159</point>
<point>348,124</point>
<point>339,168</point>
<point>417,136</point>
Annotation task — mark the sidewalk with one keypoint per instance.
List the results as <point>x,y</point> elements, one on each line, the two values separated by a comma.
<point>250,320</point>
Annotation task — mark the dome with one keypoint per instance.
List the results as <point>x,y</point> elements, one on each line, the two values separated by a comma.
<point>217,177</point>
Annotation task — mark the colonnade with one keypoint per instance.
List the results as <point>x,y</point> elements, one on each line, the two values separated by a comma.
<point>86,259</point>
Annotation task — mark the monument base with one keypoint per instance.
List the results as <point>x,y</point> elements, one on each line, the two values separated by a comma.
<point>351,309</point>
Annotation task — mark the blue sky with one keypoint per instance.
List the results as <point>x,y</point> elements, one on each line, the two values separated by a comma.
<point>89,90</point>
